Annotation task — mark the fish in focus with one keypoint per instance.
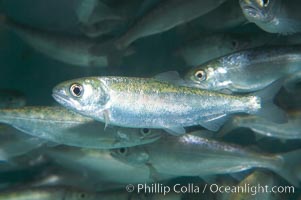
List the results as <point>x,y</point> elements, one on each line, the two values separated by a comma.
<point>155,103</point>
<point>62,126</point>
<point>273,16</point>
<point>11,98</point>
<point>196,155</point>
<point>247,70</point>
<point>166,15</point>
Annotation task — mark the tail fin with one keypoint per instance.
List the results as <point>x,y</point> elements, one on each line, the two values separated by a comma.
<point>290,170</point>
<point>268,109</point>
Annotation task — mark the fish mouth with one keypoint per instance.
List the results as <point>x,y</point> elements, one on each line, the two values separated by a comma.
<point>190,82</point>
<point>68,102</point>
<point>60,98</point>
<point>196,84</point>
<point>251,11</point>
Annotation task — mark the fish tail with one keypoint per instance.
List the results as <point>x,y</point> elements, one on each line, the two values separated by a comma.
<point>267,109</point>
<point>290,169</point>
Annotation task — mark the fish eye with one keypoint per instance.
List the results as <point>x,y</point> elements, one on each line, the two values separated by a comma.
<point>265,3</point>
<point>145,131</point>
<point>76,89</point>
<point>122,151</point>
<point>200,75</point>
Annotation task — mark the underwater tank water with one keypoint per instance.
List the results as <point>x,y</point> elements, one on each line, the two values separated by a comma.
<point>83,139</point>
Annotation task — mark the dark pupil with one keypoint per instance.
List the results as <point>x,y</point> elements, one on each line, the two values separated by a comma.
<point>145,130</point>
<point>76,90</point>
<point>122,150</point>
<point>265,2</point>
<point>82,195</point>
<point>199,74</point>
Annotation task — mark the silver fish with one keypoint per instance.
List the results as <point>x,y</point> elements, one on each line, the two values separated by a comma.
<point>248,70</point>
<point>61,126</point>
<point>274,16</point>
<point>11,98</point>
<point>153,103</point>
<point>288,130</point>
<point>165,16</point>
<point>195,155</point>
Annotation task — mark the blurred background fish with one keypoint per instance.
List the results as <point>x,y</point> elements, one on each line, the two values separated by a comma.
<point>12,98</point>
